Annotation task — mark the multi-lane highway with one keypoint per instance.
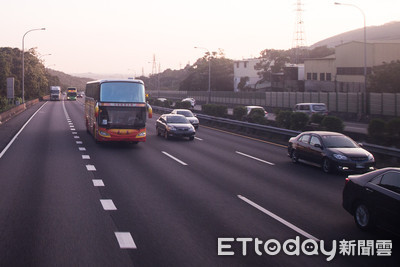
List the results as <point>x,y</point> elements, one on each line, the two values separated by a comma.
<point>67,201</point>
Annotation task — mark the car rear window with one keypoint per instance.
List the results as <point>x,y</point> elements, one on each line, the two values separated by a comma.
<point>185,113</point>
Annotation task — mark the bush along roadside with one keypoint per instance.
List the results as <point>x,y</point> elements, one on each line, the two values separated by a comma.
<point>384,133</point>
<point>183,105</point>
<point>239,112</point>
<point>301,122</point>
<point>215,110</point>
<point>6,105</point>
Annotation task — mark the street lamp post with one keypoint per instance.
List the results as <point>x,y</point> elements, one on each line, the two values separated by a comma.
<point>365,52</point>
<point>209,73</point>
<point>23,62</point>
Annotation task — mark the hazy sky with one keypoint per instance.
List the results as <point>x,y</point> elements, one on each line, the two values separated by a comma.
<point>121,36</point>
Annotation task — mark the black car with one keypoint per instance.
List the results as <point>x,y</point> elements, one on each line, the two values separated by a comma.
<point>332,151</point>
<point>374,199</point>
<point>169,125</point>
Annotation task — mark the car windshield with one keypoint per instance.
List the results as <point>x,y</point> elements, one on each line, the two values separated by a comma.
<point>319,107</point>
<point>177,119</point>
<point>338,141</point>
<point>186,113</point>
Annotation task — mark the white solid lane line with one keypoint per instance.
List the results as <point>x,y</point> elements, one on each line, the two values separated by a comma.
<point>172,157</point>
<point>261,160</point>
<point>125,240</point>
<point>19,132</point>
<point>279,219</point>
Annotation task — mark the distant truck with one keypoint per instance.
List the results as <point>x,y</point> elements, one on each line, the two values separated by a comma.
<point>55,93</point>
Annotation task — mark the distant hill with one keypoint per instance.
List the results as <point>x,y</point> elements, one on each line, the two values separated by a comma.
<point>386,32</point>
<point>99,76</point>
<point>67,80</point>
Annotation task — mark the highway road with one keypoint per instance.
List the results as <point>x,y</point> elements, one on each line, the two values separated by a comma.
<point>220,200</point>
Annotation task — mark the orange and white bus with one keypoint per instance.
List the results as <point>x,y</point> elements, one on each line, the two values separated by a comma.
<point>115,110</point>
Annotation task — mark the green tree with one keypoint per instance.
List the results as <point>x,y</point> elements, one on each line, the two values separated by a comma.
<point>271,61</point>
<point>385,78</point>
<point>198,73</point>
<point>242,83</point>
<point>36,77</point>
<point>320,52</point>
<point>274,61</point>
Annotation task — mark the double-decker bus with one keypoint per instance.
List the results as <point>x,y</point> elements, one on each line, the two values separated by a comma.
<point>115,110</point>
<point>71,93</point>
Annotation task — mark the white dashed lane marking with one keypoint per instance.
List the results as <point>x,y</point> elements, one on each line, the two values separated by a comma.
<point>125,240</point>
<point>279,219</point>
<point>174,158</point>
<point>98,182</point>
<point>261,160</point>
<point>90,168</point>
<point>108,204</point>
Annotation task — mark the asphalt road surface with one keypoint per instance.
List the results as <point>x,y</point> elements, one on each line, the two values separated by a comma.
<point>220,200</point>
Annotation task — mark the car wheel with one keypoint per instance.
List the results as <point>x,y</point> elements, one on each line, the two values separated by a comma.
<point>295,156</point>
<point>326,165</point>
<point>362,217</point>
<point>191,138</point>
<point>87,126</point>
<point>158,131</point>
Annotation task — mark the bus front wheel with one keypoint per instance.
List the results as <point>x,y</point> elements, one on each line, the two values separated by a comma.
<point>95,135</point>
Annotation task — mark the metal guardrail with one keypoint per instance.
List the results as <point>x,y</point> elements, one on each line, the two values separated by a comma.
<point>389,151</point>
<point>250,125</point>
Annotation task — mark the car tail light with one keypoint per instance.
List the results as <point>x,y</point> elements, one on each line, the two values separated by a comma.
<point>347,180</point>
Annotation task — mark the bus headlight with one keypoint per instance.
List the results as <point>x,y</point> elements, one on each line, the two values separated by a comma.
<point>104,134</point>
<point>141,134</point>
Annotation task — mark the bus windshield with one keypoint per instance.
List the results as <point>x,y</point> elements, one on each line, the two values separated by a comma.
<point>122,117</point>
<point>122,92</point>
